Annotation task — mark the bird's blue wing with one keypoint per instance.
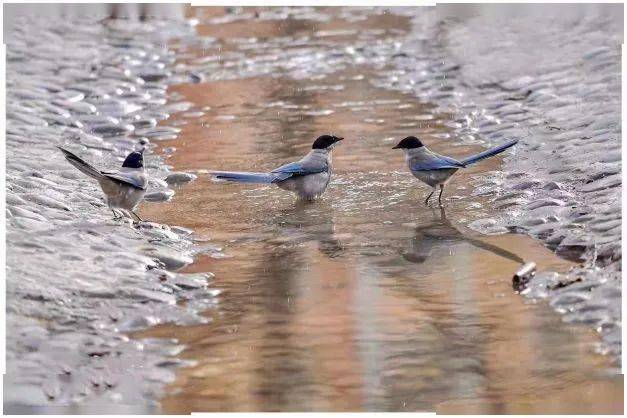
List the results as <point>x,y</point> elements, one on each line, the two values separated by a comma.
<point>435,162</point>
<point>297,168</point>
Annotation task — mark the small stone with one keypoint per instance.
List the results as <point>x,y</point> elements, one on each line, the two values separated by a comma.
<point>159,196</point>
<point>171,259</point>
<point>175,178</point>
<point>544,202</point>
<point>525,185</point>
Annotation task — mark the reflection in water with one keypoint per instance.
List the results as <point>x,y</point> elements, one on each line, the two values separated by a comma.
<point>441,234</point>
<point>365,300</point>
<point>303,223</point>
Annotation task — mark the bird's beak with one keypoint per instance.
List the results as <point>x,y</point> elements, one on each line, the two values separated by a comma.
<point>338,138</point>
<point>395,147</point>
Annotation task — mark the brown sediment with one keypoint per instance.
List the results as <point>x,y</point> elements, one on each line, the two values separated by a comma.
<point>365,300</point>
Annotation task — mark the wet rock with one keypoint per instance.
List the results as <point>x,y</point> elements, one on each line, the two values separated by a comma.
<point>161,234</point>
<point>158,183</point>
<point>171,259</point>
<point>570,298</point>
<point>142,124</point>
<point>111,130</point>
<point>543,230</point>
<point>46,201</point>
<point>138,322</point>
<point>149,295</point>
<point>190,282</point>
<point>605,226</point>
<point>523,275</point>
<point>160,132</point>
<point>603,183</point>
<point>525,185</point>
<point>76,108</point>
<point>182,230</point>
<point>25,213</point>
<point>487,226</point>
<point>176,178</point>
<point>544,202</point>
<point>31,224</point>
<point>159,196</point>
<point>154,75</point>
<point>163,275</point>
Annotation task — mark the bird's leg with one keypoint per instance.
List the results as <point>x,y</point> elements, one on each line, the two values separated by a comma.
<point>429,197</point>
<point>137,216</point>
<point>115,214</point>
<point>441,191</point>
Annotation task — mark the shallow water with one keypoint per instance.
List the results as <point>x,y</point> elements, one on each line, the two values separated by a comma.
<point>365,300</point>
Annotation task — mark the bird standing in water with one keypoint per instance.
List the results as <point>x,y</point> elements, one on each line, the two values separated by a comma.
<point>308,177</point>
<point>435,169</point>
<point>123,189</point>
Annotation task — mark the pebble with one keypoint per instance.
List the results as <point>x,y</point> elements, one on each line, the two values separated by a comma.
<point>149,295</point>
<point>171,260</point>
<point>160,132</point>
<point>139,322</point>
<point>159,196</point>
<point>525,185</point>
<point>182,230</point>
<point>46,201</point>
<point>176,178</point>
<point>190,283</point>
<point>25,213</point>
<point>487,226</point>
<point>544,202</point>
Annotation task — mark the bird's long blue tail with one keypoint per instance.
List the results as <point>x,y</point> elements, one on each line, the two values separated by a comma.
<point>488,153</point>
<point>243,177</point>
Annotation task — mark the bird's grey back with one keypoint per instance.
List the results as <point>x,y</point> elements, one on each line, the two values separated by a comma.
<point>423,157</point>
<point>316,160</point>
<point>419,155</point>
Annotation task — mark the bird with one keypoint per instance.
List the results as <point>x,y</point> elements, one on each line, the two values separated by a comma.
<point>308,177</point>
<point>123,189</point>
<point>435,169</point>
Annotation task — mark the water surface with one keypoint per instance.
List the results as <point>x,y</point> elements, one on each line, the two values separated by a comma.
<point>366,300</point>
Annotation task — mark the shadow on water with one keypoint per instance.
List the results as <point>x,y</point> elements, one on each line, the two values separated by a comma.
<point>365,300</point>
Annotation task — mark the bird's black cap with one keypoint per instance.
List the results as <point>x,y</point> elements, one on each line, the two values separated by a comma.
<point>409,143</point>
<point>134,160</point>
<point>325,141</point>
